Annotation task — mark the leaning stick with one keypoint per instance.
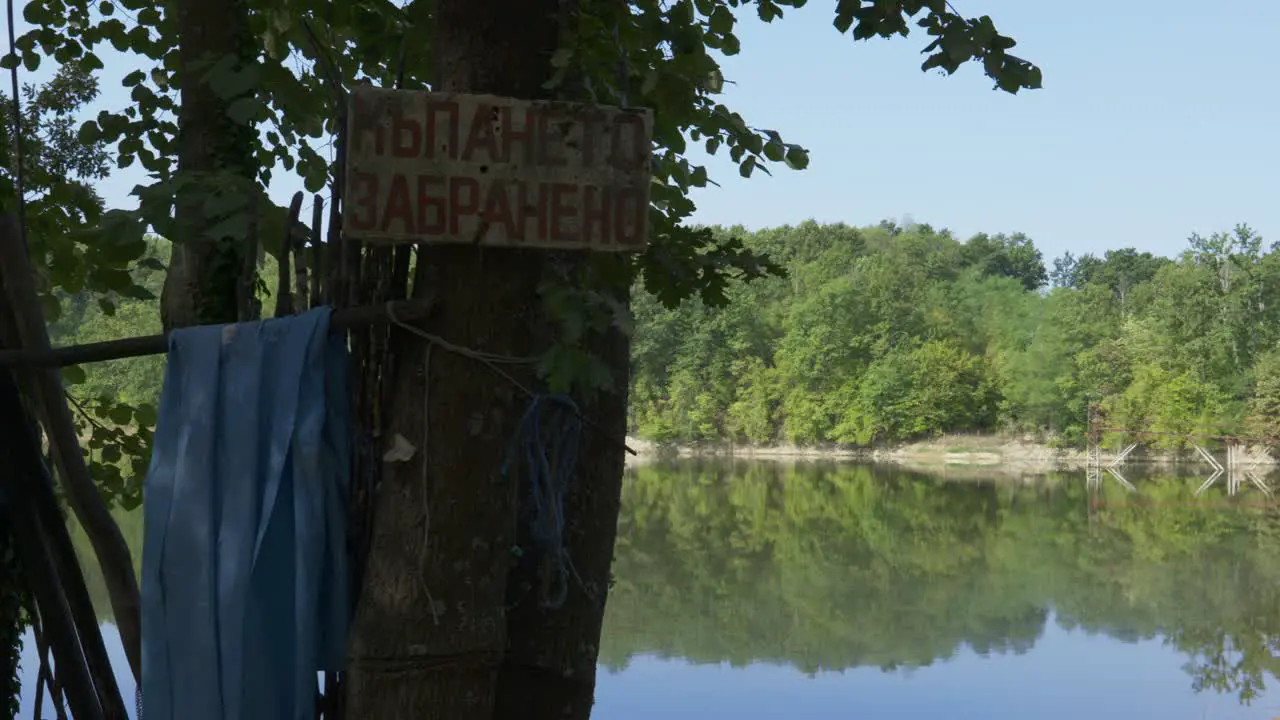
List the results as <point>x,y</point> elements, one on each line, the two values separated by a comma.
<point>82,495</point>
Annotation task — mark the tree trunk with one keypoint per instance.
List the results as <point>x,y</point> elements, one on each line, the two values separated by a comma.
<point>549,670</point>
<point>204,284</point>
<point>430,625</point>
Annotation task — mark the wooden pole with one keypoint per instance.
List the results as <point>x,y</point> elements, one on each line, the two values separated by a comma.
<point>48,559</point>
<point>408,311</point>
<point>49,397</point>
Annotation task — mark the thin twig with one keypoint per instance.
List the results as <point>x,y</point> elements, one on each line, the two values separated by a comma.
<point>84,412</point>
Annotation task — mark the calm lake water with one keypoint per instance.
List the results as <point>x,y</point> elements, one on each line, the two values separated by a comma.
<point>764,591</point>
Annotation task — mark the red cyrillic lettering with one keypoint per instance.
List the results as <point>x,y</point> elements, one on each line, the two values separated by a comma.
<point>433,213</point>
<point>364,201</point>
<point>563,213</point>
<point>497,210</point>
<point>630,217</point>
<point>480,136</point>
<point>398,208</point>
<point>628,146</point>
<point>511,135</point>
<point>445,143</point>
<point>527,209</point>
<point>592,124</point>
<point>551,136</point>
<point>406,135</point>
<point>464,199</point>
<point>597,209</point>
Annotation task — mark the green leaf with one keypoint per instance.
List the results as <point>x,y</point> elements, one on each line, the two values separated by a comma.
<point>73,375</point>
<point>121,414</point>
<point>235,225</point>
<point>650,83</point>
<point>51,308</point>
<point>36,13</point>
<point>562,57</point>
<point>721,20</point>
<point>89,133</point>
<point>715,82</point>
<point>797,158</point>
<point>244,110</point>
<point>146,415</point>
<point>774,150</point>
<point>316,178</point>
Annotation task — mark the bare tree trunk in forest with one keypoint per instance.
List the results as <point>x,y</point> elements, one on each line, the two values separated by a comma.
<point>549,670</point>
<point>430,626</point>
<point>204,282</point>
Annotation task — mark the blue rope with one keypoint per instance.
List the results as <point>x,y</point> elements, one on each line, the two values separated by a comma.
<point>550,464</point>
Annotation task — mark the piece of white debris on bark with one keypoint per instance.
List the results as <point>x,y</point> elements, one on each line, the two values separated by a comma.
<point>401,450</point>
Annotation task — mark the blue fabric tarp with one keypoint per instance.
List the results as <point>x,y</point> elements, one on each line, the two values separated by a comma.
<point>244,574</point>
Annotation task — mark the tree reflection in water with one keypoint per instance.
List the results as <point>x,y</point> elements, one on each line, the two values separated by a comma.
<point>826,567</point>
<point>839,567</point>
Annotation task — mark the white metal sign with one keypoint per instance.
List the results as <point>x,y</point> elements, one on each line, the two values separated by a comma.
<point>486,170</point>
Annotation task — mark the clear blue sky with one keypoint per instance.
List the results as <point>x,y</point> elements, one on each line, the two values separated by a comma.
<point>1156,120</point>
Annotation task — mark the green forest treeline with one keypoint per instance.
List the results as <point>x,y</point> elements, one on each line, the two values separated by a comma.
<point>887,334</point>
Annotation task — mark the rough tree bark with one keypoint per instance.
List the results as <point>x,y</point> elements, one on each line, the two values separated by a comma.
<point>204,283</point>
<point>549,670</point>
<point>429,631</point>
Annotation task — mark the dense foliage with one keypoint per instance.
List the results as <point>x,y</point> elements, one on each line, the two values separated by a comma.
<point>828,569</point>
<point>288,84</point>
<point>85,270</point>
<point>884,333</point>
<point>63,215</point>
<point>887,333</point>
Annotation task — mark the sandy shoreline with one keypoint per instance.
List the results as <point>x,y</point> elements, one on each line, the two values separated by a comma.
<point>958,450</point>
